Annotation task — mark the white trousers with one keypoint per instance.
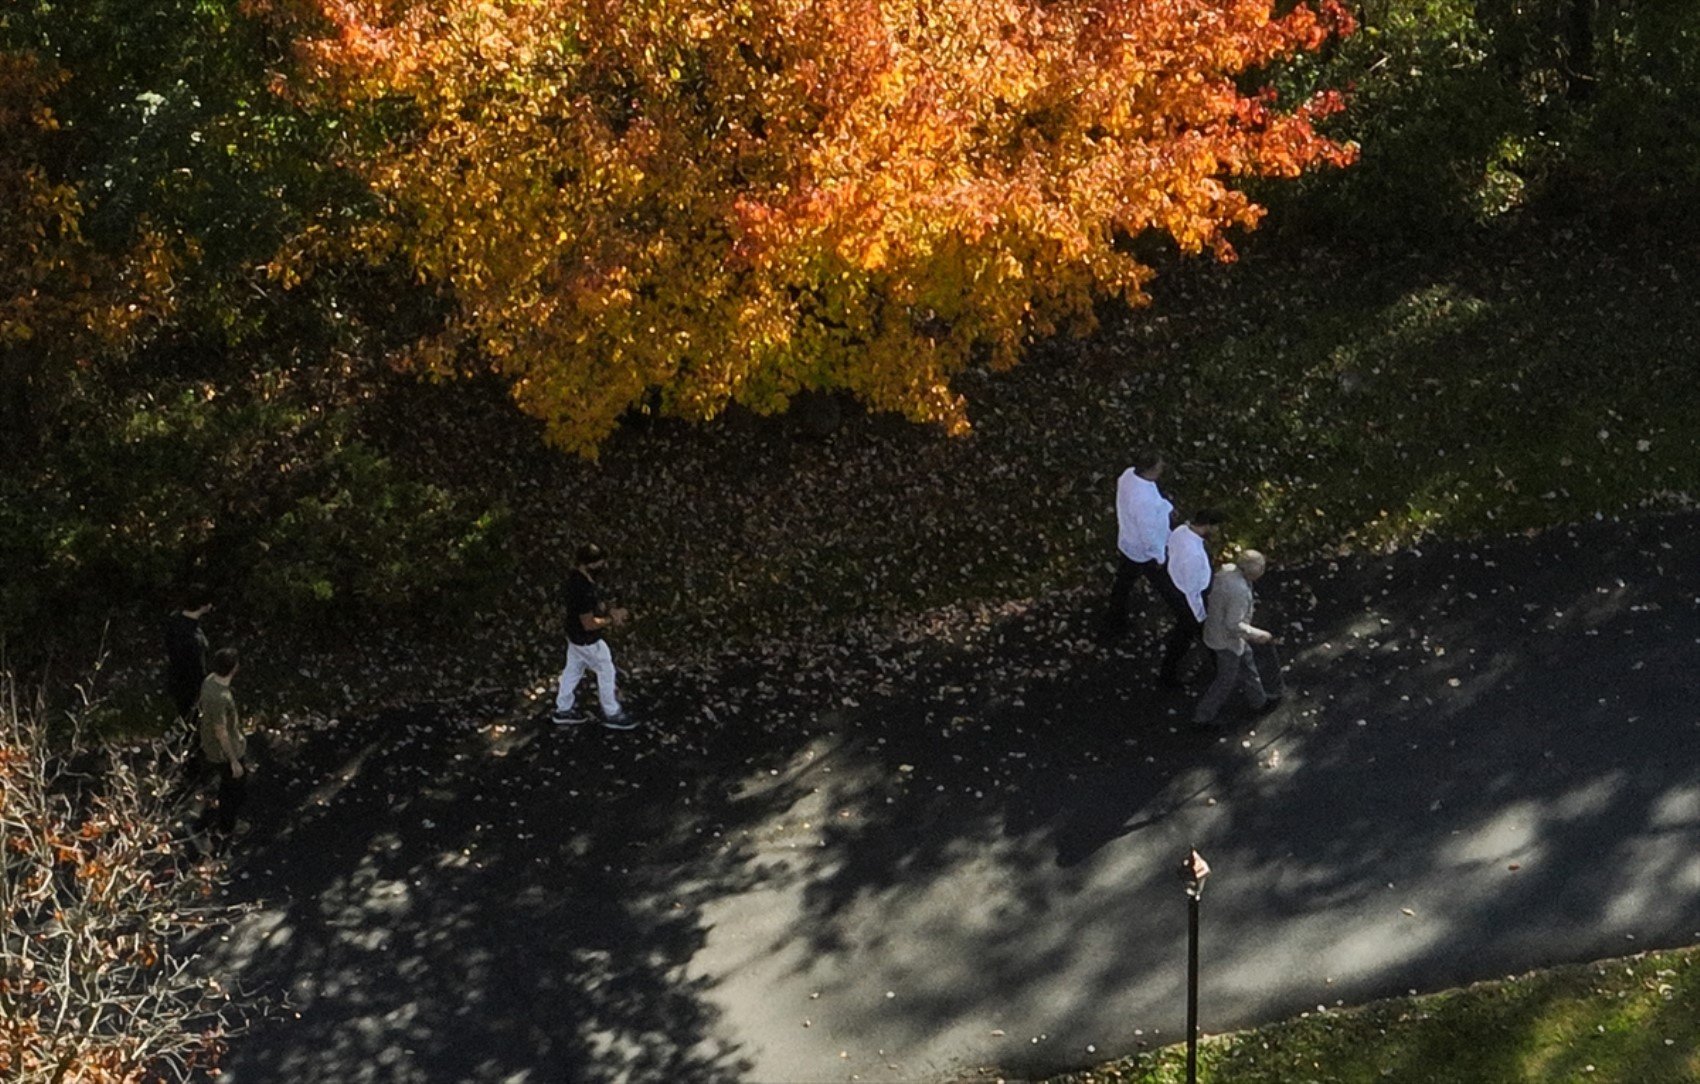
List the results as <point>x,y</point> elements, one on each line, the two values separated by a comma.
<point>598,660</point>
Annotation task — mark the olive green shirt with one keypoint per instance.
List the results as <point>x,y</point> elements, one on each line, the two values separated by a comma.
<point>218,713</point>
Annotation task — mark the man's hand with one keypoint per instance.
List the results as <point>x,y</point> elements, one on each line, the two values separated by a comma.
<point>619,615</point>
<point>1260,636</point>
<point>237,771</point>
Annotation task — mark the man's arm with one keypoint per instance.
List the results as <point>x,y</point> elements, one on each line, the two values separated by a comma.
<point>1251,632</point>
<point>590,622</point>
<point>225,726</point>
<point>1236,614</point>
<point>1189,570</point>
<point>1126,516</point>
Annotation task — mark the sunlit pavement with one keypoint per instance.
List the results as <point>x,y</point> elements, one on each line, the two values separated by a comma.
<point>1489,761</point>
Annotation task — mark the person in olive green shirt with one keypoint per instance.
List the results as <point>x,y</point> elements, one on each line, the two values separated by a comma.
<point>223,743</point>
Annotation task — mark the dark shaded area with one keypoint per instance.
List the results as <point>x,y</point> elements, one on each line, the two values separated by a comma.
<point>990,815</point>
<point>440,910</point>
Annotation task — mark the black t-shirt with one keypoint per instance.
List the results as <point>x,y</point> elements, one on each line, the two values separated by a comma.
<point>185,651</point>
<point>582,598</point>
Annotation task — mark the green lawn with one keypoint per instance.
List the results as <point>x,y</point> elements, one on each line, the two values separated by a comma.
<point>1627,1021</point>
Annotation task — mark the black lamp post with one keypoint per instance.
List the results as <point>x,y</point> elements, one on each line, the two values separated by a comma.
<point>1193,871</point>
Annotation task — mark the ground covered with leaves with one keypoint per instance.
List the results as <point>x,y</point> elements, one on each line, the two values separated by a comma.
<point>1331,401</point>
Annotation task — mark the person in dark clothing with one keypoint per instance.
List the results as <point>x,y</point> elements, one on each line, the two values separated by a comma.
<point>587,616</point>
<point>186,652</point>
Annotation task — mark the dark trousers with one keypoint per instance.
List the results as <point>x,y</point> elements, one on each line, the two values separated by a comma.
<point>1187,627</point>
<point>232,796</point>
<point>1231,670</point>
<point>185,692</point>
<point>1187,631</point>
<point>1129,571</point>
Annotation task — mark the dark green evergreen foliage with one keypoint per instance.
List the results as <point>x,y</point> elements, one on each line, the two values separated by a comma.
<point>1467,110</point>
<point>233,444</point>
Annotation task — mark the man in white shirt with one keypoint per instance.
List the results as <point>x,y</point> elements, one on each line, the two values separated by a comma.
<point>1142,535</point>
<point>1188,569</point>
<point>1229,633</point>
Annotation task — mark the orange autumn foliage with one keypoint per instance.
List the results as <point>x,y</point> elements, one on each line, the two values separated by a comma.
<point>696,202</point>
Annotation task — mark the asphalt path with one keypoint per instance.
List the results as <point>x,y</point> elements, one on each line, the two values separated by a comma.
<point>957,859</point>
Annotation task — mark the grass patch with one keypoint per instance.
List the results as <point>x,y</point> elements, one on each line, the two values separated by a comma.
<point>1627,1020</point>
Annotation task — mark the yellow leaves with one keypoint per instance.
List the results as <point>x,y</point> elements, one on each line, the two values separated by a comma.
<point>730,203</point>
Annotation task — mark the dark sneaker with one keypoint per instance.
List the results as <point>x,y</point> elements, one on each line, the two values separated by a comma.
<point>622,721</point>
<point>569,718</point>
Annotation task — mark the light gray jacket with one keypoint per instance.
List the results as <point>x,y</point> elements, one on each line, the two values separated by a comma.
<point>1227,611</point>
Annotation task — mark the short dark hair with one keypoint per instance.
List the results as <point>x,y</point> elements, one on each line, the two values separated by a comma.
<point>1208,517</point>
<point>1146,458</point>
<point>224,661</point>
<point>197,595</point>
<point>590,554</point>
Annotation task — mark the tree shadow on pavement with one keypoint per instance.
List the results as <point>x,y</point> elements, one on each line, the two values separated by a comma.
<point>1488,764</point>
<point>903,862</point>
<point>448,904</point>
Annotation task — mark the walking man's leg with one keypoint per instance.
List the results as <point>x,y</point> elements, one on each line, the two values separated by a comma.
<point>601,661</point>
<point>1180,638</point>
<point>1175,649</point>
<point>1115,618</point>
<point>567,694</point>
<point>1222,687</point>
<point>1250,681</point>
<point>232,796</point>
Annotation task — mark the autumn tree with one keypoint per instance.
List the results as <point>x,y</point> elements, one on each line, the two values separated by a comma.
<point>680,204</point>
<point>66,303</point>
<point>98,912</point>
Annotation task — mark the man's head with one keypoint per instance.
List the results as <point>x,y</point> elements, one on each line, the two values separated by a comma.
<point>1148,463</point>
<point>591,556</point>
<point>225,662</point>
<point>1252,565</point>
<point>1205,521</point>
<point>197,600</point>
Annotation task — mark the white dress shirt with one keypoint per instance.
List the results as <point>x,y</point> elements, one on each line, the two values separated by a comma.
<point>1142,518</point>
<point>1189,566</point>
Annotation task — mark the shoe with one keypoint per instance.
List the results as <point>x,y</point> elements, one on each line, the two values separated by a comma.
<point>568,718</point>
<point>622,721</point>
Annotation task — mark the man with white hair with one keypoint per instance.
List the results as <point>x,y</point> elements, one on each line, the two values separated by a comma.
<point>1229,634</point>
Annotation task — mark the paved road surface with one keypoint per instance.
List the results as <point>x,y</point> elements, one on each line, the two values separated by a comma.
<point>913,865</point>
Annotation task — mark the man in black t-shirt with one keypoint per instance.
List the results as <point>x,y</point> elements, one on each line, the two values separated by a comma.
<point>587,616</point>
<point>186,652</point>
